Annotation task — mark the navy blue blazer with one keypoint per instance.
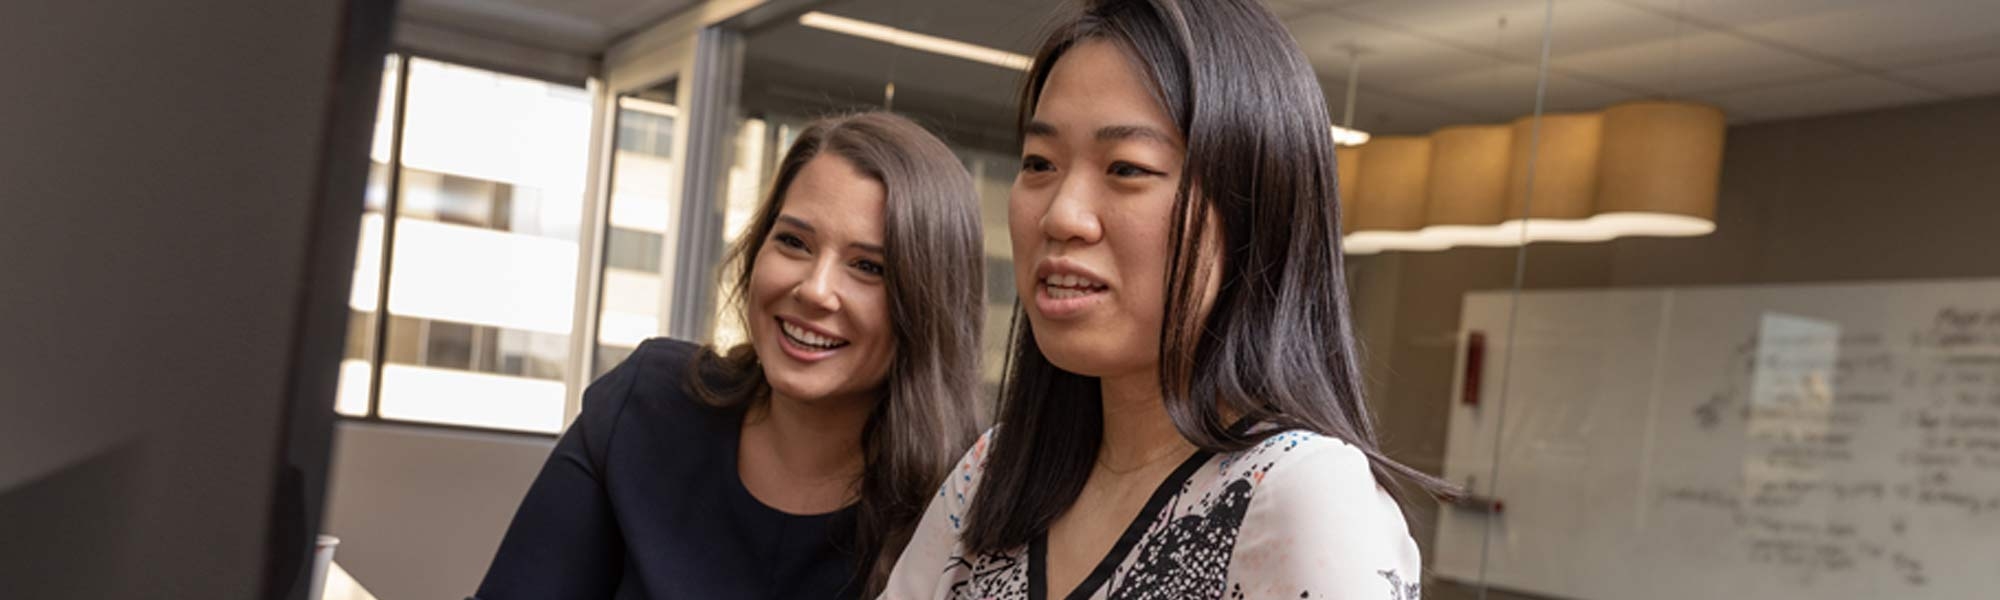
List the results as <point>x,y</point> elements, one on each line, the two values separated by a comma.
<point>641,499</point>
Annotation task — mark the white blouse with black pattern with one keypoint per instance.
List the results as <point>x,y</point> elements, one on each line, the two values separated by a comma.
<point>1298,516</point>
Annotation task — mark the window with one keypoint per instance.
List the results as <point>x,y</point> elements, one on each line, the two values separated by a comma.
<point>638,250</point>
<point>747,172</point>
<point>488,186</point>
<point>646,129</point>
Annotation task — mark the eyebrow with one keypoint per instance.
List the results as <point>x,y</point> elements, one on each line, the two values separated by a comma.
<point>1108,133</point>
<point>1119,133</point>
<point>802,224</point>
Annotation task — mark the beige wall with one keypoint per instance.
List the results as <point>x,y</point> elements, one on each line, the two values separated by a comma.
<point>1894,194</point>
<point>419,511</point>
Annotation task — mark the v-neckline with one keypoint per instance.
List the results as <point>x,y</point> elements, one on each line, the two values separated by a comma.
<point>1038,548</point>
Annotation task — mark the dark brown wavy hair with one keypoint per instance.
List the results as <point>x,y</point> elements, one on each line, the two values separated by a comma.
<point>936,279</point>
<point>1276,345</point>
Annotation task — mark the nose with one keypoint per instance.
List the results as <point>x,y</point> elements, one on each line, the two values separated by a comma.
<point>1072,214</point>
<point>818,289</point>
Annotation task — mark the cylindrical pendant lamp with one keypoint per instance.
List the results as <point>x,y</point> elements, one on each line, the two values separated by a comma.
<point>1347,161</point>
<point>1659,168</point>
<point>1394,180</point>
<point>1557,198</point>
<point>1468,185</point>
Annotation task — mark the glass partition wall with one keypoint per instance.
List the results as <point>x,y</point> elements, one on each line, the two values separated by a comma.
<point>1718,325</point>
<point>1781,378</point>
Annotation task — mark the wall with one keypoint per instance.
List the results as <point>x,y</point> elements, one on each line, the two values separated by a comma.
<point>419,511</point>
<point>1892,194</point>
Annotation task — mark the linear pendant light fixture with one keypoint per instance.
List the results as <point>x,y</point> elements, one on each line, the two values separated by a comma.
<point>1343,134</point>
<point>1468,186</point>
<point>1552,178</point>
<point>1389,196</point>
<point>1347,168</point>
<point>1659,167</point>
<point>1643,168</point>
<point>915,41</point>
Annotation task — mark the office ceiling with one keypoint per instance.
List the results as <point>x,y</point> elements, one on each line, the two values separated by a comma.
<point>1430,63</point>
<point>581,27</point>
<point>1424,64</point>
<point>1436,62</point>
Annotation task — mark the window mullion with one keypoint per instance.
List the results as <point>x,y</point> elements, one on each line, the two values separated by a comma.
<point>391,206</point>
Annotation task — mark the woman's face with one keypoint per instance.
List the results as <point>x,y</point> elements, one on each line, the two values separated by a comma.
<point>818,305</point>
<point>1091,211</point>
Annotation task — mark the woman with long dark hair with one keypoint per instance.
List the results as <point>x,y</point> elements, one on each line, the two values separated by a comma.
<point>1183,414</point>
<point>797,464</point>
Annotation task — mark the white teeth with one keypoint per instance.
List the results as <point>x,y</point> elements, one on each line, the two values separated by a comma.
<point>1061,293</point>
<point>1069,281</point>
<point>1069,287</point>
<point>809,338</point>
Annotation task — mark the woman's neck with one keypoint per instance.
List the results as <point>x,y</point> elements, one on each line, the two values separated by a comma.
<point>816,440</point>
<point>1137,430</point>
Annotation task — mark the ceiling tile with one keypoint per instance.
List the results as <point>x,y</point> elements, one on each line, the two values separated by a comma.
<point>1286,9</point>
<point>1505,93</point>
<point>1431,63</point>
<point>1389,114</point>
<point>1742,13</point>
<point>1389,58</point>
<point>1699,60</point>
<point>1572,94</point>
<point>1579,25</point>
<point>1837,95</point>
<point>1976,77</point>
<point>1889,34</point>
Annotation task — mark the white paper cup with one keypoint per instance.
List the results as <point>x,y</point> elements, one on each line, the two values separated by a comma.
<point>322,562</point>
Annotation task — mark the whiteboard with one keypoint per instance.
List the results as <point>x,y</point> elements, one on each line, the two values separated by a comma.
<point>1783,441</point>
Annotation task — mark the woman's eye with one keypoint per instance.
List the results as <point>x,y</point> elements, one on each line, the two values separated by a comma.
<point>1125,169</point>
<point>790,241</point>
<point>871,267</point>
<point>1036,164</point>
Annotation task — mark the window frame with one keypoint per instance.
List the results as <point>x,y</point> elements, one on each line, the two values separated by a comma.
<point>378,337</point>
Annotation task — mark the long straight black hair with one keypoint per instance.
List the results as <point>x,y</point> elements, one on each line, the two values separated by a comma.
<point>935,281</point>
<point>1275,345</point>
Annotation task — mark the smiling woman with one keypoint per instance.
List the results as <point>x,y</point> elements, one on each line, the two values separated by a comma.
<point>817,301</point>
<point>794,465</point>
<point>1183,416</point>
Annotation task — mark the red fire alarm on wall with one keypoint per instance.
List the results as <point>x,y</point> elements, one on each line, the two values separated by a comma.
<point>1475,359</point>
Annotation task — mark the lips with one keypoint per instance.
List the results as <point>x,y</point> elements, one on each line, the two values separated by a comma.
<point>1065,288</point>
<point>808,338</point>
